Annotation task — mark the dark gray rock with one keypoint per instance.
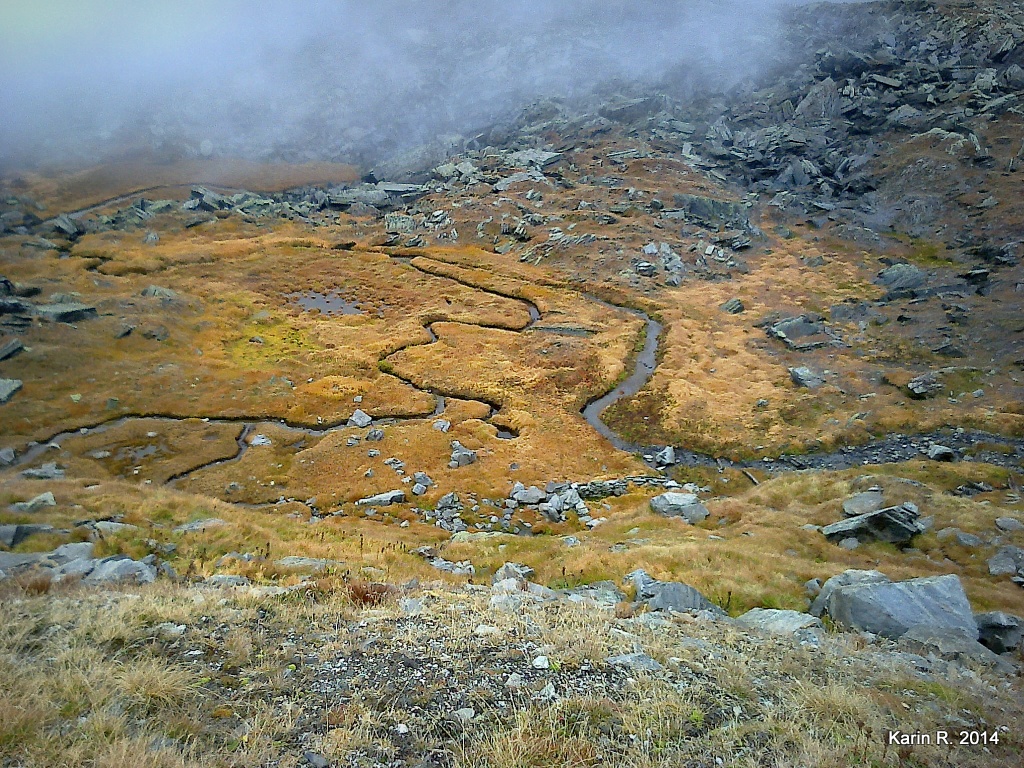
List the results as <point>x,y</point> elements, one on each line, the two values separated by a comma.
<point>950,644</point>
<point>897,525</point>
<point>1009,560</point>
<point>901,280</point>
<point>48,471</point>
<point>360,419</point>
<point>71,312</point>
<point>461,456</point>
<point>685,505</point>
<point>862,503</point>
<point>13,535</point>
<point>733,307</point>
<point>8,389</point>
<point>801,333</point>
<point>891,608</point>
<point>941,453</point>
<point>1000,632</point>
<point>806,377</point>
<point>1005,524</point>
<point>10,347</point>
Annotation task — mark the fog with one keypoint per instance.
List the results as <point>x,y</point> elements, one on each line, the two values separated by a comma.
<point>316,80</point>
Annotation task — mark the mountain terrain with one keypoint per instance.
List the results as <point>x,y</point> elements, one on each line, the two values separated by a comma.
<point>673,422</point>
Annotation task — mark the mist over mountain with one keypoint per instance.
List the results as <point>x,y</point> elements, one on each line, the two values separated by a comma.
<point>338,80</point>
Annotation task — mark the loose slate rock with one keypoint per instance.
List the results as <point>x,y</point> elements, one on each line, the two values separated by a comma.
<point>684,505</point>
<point>1000,632</point>
<point>870,500</point>
<point>1009,560</point>
<point>360,419</point>
<point>65,313</point>
<point>383,499</point>
<point>779,621</point>
<point>806,377</point>
<point>891,608</point>
<point>8,389</point>
<point>896,525</point>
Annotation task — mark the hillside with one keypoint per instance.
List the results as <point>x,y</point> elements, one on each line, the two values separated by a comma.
<point>706,392</point>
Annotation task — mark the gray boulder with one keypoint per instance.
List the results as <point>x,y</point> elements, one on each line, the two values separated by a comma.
<point>524,495</point>
<point>40,502</point>
<point>13,535</point>
<point>941,453</point>
<point>1000,632</point>
<point>1009,560</point>
<point>666,457</point>
<point>383,499</point>
<point>48,471</point>
<point>159,292</point>
<point>71,312</point>
<point>870,500</point>
<point>461,456</point>
<point>360,419</point>
<point>668,595</point>
<point>676,596</point>
<point>8,389</point>
<point>120,569</point>
<point>7,456</point>
<point>949,644</point>
<point>1009,524</point>
<point>806,377</point>
<point>685,505</point>
<point>891,608</point>
<point>897,525</point>
<point>846,578</point>
<point>512,571</point>
<point>901,280</point>
<point>779,621</point>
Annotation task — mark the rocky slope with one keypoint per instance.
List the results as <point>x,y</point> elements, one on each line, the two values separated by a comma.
<point>704,403</point>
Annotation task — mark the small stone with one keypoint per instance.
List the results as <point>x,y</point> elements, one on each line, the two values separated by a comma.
<point>360,419</point>
<point>315,760</point>
<point>541,662</point>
